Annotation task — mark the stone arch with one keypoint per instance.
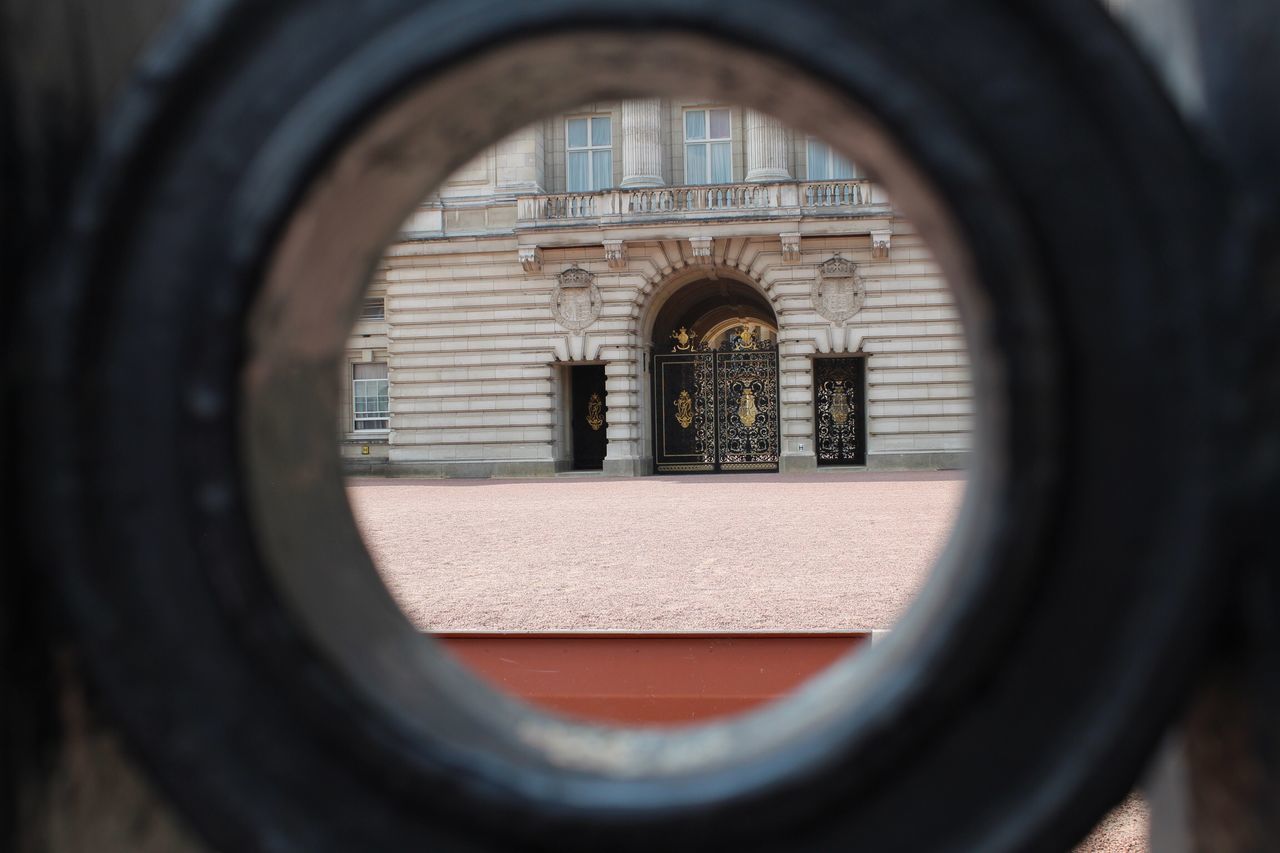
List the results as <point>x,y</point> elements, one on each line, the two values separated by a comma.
<point>659,288</point>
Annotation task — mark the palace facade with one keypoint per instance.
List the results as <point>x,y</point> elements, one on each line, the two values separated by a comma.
<point>655,286</point>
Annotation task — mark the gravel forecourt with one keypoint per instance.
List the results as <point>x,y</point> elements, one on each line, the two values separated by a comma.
<point>840,550</point>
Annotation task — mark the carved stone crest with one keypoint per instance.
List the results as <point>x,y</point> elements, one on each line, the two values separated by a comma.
<point>576,301</point>
<point>837,291</point>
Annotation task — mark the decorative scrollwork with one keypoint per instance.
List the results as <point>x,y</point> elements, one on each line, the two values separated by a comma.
<point>704,406</point>
<point>837,398</point>
<point>747,408</point>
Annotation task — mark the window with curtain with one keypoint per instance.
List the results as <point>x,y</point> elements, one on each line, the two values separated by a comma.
<point>825,164</point>
<point>708,147</point>
<point>589,153</point>
<point>370,400</point>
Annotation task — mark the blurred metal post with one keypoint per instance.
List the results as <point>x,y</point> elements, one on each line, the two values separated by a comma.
<point>1216,787</point>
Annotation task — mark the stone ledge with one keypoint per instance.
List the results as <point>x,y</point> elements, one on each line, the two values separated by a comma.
<point>478,470</point>
<point>930,461</point>
<point>797,463</point>
<point>627,467</point>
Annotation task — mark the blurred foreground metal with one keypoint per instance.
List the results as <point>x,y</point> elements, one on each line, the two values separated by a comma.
<point>210,600</point>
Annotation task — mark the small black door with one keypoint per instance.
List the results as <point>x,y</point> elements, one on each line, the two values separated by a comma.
<point>589,423</point>
<point>839,413</point>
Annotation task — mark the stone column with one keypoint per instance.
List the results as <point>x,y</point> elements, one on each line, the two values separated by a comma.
<point>795,381</point>
<point>622,396</point>
<point>767,149</point>
<point>642,143</point>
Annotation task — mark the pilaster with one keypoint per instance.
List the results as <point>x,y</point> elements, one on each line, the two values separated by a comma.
<point>520,160</point>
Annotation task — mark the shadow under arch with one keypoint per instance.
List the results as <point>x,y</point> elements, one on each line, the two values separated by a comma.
<point>661,289</point>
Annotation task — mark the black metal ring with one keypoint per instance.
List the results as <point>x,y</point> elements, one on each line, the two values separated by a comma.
<point>1064,201</point>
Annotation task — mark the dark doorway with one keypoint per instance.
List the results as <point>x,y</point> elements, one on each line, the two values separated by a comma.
<point>839,410</point>
<point>588,420</point>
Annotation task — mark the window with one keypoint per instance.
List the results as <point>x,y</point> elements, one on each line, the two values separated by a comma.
<point>369,396</point>
<point>374,309</point>
<point>708,149</point>
<point>589,142</point>
<point>825,164</point>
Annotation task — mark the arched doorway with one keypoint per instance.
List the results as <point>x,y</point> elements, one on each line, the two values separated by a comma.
<point>715,381</point>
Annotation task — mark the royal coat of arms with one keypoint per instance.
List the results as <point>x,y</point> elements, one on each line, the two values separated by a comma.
<point>837,291</point>
<point>576,301</point>
<point>684,340</point>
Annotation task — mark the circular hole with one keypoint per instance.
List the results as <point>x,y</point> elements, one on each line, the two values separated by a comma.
<point>314,286</point>
<point>798,345</point>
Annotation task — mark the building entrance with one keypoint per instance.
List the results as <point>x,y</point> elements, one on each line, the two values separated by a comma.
<point>716,409</point>
<point>588,424</point>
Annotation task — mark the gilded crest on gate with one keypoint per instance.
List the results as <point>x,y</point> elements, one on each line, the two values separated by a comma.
<point>837,293</point>
<point>747,411</point>
<point>839,403</point>
<point>684,339</point>
<point>576,301</point>
<point>744,338</point>
<point>595,412</point>
<point>684,409</point>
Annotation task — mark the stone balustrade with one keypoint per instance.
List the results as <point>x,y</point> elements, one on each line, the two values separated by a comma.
<point>713,200</point>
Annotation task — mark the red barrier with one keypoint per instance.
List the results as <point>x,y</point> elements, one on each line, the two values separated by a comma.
<point>649,679</point>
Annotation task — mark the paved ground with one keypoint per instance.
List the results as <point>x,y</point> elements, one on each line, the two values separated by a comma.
<point>840,550</point>
<point>826,551</point>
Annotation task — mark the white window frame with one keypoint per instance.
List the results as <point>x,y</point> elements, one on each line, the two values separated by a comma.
<point>591,151</point>
<point>705,143</point>
<point>831,159</point>
<point>383,415</point>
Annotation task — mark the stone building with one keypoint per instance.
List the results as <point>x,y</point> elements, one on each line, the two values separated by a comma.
<point>655,286</point>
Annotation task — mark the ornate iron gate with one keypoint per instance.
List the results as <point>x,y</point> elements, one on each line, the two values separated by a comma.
<point>716,410</point>
<point>839,414</point>
<point>684,437</point>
